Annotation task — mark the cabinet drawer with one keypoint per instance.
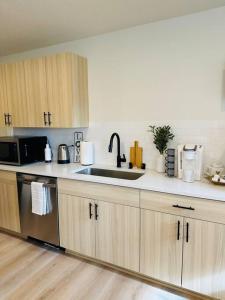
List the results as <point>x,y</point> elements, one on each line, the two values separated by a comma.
<point>98,191</point>
<point>202,209</point>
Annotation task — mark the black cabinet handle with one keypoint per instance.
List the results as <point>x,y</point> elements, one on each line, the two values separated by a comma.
<point>178,230</point>
<point>90,210</point>
<point>5,117</point>
<point>49,119</point>
<point>183,207</point>
<point>187,233</point>
<point>9,117</point>
<point>96,212</point>
<point>45,120</point>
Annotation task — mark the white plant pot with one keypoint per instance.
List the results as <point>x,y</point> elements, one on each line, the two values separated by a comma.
<point>160,164</point>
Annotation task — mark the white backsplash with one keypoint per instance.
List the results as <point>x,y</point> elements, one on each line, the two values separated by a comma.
<point>208,133</point>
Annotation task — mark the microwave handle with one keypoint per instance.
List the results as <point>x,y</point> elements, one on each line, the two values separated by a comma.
<point>26,150</point>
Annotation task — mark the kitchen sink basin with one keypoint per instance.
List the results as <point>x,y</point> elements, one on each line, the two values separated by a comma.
<point>111,173</point>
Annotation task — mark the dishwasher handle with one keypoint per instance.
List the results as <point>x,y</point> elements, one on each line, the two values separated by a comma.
<point>48,185</point>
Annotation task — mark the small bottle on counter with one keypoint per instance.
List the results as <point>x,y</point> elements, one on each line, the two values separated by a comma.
<point>48,154</point>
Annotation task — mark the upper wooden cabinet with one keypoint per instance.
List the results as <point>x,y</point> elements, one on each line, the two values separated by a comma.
<point>36,92</point>
<point>67,90</point>
<point>49,91</point>
<point>4,107</point>
<point>16,94</point>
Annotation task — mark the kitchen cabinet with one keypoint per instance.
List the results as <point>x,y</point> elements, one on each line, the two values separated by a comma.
<point>36,92</point>
<point>204,257</point>
<point>161,246</point>
<point>181,239</point>
<point>49,91</point>
<point>113,229</point>
<point>67,95</point>
<point>117,234</point>
<point>16,94</point>
<point>4,105</point>
<point>197,260</point>
<point>76,224</point>
<point>9,206</point>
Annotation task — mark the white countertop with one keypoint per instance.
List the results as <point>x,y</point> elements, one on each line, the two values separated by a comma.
<point>151,180</point>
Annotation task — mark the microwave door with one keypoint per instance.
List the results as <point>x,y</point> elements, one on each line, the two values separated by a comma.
<point>9,153</point>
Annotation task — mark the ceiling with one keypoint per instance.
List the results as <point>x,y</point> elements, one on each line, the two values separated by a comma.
<point>30,24</point>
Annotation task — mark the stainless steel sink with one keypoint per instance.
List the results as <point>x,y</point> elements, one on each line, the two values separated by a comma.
<point>111,173</point>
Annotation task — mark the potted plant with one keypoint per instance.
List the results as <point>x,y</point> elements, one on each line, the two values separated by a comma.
<point>161,137</point>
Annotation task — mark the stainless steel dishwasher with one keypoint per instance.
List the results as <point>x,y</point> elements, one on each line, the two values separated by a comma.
<point>44,228</point>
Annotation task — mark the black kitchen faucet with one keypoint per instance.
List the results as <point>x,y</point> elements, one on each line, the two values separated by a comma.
<point>119,158</point>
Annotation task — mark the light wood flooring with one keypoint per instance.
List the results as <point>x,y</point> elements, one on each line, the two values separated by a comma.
<point>30,272</point>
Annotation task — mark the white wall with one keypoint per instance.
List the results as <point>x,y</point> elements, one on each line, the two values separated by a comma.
<point>169,72</point>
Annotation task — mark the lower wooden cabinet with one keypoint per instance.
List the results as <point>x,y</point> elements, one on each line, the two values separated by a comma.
<point>153,240</point>
<point>204,258</point>
<point>106,231</point>
<point>76,225</point>
<point>9,206</point>
<point>183,251</point>
<point>117,235</point>
<point>161,246</point>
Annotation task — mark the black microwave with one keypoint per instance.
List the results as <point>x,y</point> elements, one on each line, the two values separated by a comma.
<point>21,150</point>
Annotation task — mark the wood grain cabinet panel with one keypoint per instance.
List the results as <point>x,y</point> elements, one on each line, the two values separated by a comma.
<point>9,206</point>
<point>97,191</point>
<point>204,258</point>
<point>161,246</point>
<point>36,91</point>
<point>67,94</point>
<point>190,207</point>
<point>3,96</point>
<point>16,94</point>
<point>117,235</point>
<point>77,227</point>
<point>56,85</point>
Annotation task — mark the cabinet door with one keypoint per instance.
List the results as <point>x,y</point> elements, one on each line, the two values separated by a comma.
<point>161,246</point>
<point>35,79</point>
<point>16,94</point>
<point>117,235</point>
<point>9,207</point>
<point>67,90</point>
<point>3,96</point>
<point>59,89</point>
<point>76,225</point>
<point>204,258</point>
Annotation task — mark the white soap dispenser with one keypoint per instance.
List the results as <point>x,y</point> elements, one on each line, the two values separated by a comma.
<point>48,154</point>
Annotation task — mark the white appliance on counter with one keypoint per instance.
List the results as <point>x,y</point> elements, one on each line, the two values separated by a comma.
<point>190,159</point>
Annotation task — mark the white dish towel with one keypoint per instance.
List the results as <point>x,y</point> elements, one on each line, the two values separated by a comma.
<point>39,198</point>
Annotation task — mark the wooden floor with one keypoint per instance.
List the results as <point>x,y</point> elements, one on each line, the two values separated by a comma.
<point>30,272</point>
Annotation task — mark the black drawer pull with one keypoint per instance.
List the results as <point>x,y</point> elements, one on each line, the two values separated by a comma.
<point>90,210</point>
<point>178,230</point>
<point>96,212</point>
<point>187,233</point>
<point>183,207</point>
